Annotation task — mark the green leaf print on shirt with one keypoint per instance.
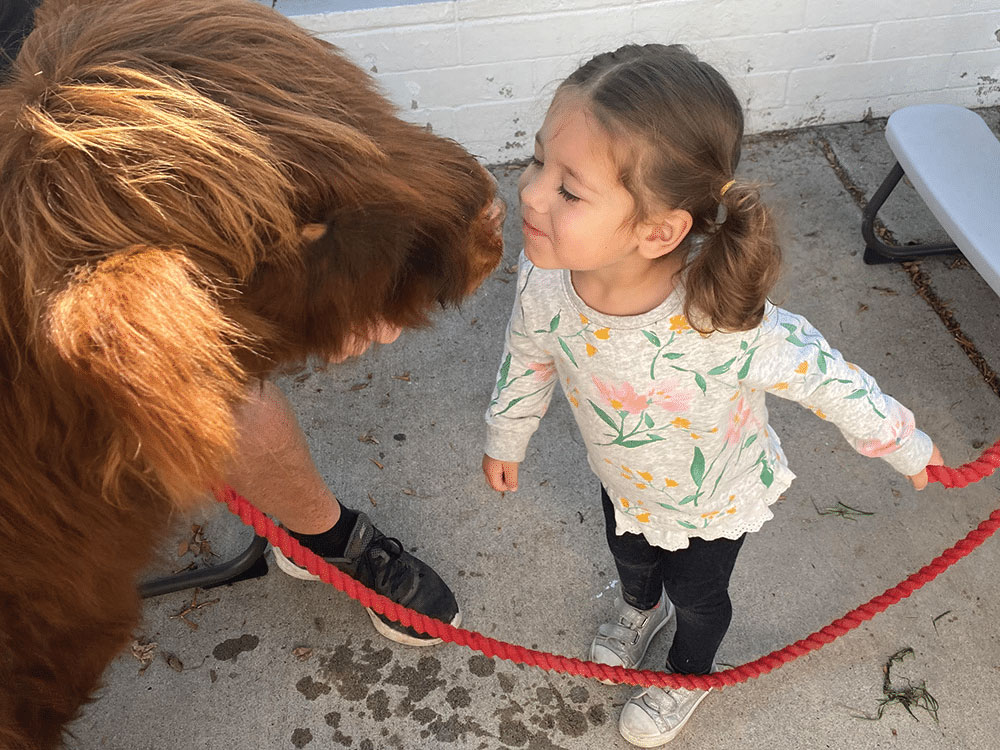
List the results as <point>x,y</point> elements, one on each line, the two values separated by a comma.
<point>678,325</point>
<point>627,439</point>
<point>566,350</point>
<point>587,329</point>
<point>621,403</point>
<point>698,467</point>
<point>542,371</point>
<point>821,362</point>
<point>553,324</point>
<point>766,472</point>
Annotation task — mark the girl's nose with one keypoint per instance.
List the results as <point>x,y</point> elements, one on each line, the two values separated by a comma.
<point>528,189</point>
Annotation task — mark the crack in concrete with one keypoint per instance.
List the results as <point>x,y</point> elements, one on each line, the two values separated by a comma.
<point>918,277</point>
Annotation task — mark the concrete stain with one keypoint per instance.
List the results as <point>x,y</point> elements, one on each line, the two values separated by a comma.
<point>363,674</point>
<point>233,647</point>
<point>458,697</point>
<point>353,671</point>
<point>481,666</point>
<point>419,681</point>
<point>454,728</point>
<point>311,689</point>
<point>425,715</point>
<point>568,720</point>
<point>597,715</point>
<point>506,682</point>
<point>378,704</point>
<point>301,737</point>
<point>553,716</point>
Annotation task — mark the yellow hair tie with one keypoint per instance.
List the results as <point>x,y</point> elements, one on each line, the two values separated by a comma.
<point>726,187</point>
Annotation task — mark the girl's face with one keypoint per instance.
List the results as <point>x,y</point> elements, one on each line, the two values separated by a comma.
<point>575,210</point>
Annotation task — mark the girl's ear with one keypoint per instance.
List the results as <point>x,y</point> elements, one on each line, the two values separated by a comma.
<point>657,238</point>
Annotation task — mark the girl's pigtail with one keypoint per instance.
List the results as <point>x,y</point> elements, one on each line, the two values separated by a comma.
<point>738,262</point>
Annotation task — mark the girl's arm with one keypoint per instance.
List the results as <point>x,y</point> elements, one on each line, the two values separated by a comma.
<point>524,384</point>
<point>794,361</point>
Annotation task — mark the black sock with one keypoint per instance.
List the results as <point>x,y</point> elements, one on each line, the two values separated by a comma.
<point>333,541</point>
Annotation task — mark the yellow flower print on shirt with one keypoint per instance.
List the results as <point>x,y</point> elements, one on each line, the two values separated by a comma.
<point>566,340</point>
<point>679,323</point>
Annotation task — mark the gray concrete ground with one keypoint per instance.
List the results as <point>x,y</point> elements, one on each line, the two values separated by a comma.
<point>532,568</point>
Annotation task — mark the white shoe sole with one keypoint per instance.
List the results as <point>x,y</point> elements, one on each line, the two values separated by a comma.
<point>290,568</point>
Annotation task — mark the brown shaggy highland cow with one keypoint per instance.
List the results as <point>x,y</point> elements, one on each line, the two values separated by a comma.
<point>160,166</point>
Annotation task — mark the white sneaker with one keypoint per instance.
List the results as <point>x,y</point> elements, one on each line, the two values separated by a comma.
<point>653,716</point>
<point>623,641</point>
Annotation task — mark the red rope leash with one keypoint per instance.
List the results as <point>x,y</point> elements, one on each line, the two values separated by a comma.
<point>970,472</point>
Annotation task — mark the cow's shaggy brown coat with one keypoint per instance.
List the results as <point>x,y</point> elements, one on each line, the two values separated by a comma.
<point>160,166</point>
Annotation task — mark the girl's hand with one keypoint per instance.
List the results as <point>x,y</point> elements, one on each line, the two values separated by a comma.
<point>500,475</point>
<point>920,480</point>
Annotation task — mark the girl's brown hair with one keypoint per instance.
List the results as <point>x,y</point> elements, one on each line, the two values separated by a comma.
<point>682,126</point>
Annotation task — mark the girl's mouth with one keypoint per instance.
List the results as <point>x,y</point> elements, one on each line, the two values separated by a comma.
<point>533,231</point>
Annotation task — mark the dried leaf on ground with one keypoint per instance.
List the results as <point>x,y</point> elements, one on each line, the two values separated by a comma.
<point>173,661</point>
<point>302,652</point>
<point>194,606</point>
<point>144,652</point>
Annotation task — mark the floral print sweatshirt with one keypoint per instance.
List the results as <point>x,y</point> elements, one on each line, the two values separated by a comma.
<point>675,422</point>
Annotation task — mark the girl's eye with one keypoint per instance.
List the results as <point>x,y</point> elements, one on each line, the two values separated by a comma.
<point>567,195</point>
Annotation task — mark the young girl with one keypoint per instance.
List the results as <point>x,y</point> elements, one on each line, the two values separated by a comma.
<point>643,289</point>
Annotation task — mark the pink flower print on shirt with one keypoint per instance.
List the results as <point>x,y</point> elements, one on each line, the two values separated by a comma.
<point>622,397</point>
<point>876,448</point>
<point>544,371</point>
<point>739,419</point>
<point>669,396</point>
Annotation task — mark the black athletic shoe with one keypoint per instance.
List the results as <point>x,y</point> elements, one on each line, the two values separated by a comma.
<point>380,563</point>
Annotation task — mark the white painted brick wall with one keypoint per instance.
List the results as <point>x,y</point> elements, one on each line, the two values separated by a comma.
<point>483,71</point>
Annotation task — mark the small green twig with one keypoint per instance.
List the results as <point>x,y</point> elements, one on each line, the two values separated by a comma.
<point>934,621</point>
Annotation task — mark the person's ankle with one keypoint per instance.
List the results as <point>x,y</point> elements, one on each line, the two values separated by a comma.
<point>333,541</point>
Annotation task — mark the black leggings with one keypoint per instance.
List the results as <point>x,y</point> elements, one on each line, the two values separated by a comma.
<point>696,580</point>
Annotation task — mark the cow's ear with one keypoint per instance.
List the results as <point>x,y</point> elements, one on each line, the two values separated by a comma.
<point>143,331</point>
